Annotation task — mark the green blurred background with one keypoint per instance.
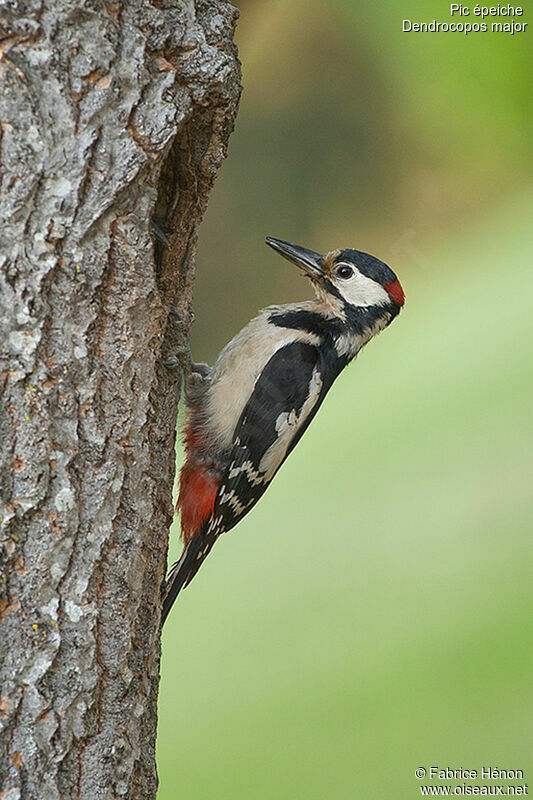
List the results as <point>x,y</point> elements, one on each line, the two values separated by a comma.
<point>373,613</point>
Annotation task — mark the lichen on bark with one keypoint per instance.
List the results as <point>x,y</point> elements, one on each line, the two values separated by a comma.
<point>111,113</point>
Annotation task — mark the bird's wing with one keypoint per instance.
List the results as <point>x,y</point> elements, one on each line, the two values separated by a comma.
<point>285,398</point>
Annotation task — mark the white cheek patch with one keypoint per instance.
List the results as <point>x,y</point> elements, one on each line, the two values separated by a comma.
<point>362,291</point>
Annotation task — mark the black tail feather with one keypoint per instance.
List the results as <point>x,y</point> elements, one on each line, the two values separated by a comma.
<point>184,571</point>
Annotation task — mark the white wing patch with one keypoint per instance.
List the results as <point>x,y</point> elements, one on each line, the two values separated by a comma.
<point>215,524</point>
<point>232,500</point>
<point>287,424</point>
<point>253,476</point>
<point>238,367</point>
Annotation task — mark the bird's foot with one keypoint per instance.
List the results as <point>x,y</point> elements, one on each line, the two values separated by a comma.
<point>196,377</point>
<point>168,362</point>
<point>196,382</point>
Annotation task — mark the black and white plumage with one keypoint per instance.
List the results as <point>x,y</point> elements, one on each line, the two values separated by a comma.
<point>250,410</point>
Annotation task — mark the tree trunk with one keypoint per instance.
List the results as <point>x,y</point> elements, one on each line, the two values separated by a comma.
<point>111,113</point>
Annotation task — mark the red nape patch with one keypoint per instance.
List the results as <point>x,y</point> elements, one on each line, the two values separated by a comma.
<point>395,290</point>
<point>198,490</point>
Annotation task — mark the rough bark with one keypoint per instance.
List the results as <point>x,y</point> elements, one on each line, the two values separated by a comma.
<point>111,113</point>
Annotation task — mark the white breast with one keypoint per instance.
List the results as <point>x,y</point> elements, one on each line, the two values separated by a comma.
<point>238,367</point>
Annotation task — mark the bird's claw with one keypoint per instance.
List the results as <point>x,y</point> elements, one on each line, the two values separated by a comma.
<point>168,362</point>
<point>196,377</point>
<point>196,382</point>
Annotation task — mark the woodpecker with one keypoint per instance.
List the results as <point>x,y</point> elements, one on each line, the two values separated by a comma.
<point>248,412</point>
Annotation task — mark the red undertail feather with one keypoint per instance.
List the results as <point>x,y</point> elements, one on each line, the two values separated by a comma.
<point>199,482</point>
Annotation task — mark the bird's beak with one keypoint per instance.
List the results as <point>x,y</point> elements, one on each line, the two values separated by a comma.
<point>309,261</point>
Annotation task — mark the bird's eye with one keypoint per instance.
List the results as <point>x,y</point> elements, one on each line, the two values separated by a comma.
<point>344,271</point>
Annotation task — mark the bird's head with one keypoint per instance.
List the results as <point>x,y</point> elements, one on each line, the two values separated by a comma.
<point>356,279</point>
